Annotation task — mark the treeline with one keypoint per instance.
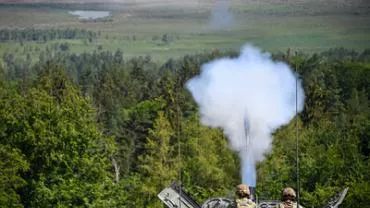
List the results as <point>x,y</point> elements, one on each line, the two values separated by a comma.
<point>44,35</point>
<point>99,130</point>
<point>65,6</point>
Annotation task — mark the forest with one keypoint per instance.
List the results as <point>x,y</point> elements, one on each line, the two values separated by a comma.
<point>98,129</point>
<point>44,35</point>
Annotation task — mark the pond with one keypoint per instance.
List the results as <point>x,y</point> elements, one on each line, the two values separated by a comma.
<point>86,15</point>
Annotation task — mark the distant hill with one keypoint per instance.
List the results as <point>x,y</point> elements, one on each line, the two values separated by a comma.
<point>57,1</point>
<point>334,2</point>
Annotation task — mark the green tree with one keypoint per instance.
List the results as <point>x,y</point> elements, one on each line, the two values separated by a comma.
<point>55,129</point>
<point>158,165</point>
<point>210,167</point>
<point>12,166</point>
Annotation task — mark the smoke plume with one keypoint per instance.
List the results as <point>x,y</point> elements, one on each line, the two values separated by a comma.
<point>220,15</point>
<point>249,97</point>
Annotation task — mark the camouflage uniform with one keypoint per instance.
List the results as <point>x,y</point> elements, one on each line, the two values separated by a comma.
<point>289,204</point>
<point>288,199</point>
<point>243,201</point>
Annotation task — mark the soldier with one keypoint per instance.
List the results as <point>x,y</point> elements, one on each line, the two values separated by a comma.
<point>288,199</point>
<point>243,197</point>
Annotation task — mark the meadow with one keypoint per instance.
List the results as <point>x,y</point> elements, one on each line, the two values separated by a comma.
<point>171,29</point>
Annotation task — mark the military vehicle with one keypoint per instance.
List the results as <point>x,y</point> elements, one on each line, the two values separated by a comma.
<point>175,196</point>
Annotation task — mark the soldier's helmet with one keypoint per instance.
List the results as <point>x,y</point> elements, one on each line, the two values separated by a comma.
<point>242,190</point>
<point>289,193</point>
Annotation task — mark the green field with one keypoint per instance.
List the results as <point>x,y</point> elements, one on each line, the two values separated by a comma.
<point>138,28</point>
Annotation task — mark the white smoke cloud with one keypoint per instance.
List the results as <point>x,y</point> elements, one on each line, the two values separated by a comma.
<point>221,17</point>
<point>249,97</point>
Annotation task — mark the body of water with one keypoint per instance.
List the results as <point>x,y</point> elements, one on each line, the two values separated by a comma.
<point>86,15</point>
